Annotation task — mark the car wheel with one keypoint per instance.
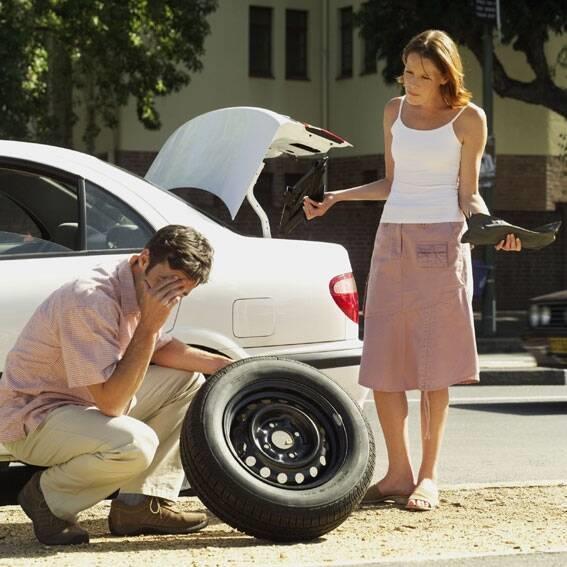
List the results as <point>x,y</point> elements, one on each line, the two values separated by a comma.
<point>276,449</point>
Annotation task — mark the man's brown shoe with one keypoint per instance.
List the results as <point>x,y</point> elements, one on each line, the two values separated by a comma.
<point>153,516</point>
<point>48,528</point>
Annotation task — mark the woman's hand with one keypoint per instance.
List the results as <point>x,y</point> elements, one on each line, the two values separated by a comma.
<point>510,244</point>
<point>314,209</point>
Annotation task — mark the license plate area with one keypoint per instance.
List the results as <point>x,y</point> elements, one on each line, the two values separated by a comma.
<point>558,345</point>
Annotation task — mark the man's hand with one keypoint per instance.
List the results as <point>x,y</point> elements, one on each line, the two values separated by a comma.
<point>157,302</point>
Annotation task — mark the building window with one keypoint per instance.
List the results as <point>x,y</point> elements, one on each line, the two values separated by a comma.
<point>369,57</point>
<point>346,33</point>
<point>369,49</point>
<point>260,42</point>
<point>296,44</point>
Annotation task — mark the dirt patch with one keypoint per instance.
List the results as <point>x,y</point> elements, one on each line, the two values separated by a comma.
<point>468,522</point>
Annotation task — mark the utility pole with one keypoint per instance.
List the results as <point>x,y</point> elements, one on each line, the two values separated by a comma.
<point>488,11</point>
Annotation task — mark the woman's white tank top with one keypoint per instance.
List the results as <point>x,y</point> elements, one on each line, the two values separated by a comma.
<point>426,174</point>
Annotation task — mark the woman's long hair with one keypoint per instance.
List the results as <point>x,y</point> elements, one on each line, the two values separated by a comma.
<point>440,49</point>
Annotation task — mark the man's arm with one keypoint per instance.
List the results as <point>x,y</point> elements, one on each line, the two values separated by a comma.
<point>113,396</point>
<point>176,354</point>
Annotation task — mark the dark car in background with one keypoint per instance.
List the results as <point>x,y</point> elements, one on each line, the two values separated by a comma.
<point>546,339</point>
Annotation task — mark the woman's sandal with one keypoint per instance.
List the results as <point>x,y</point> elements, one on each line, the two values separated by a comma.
<point>375,496</point>
<point>486,229</point>
<point>425,492</point>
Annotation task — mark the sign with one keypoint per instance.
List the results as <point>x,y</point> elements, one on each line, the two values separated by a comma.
<point>486,10</point>
<point>487,171</point>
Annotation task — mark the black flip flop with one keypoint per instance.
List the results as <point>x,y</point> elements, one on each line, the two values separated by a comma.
<point>486,229</point>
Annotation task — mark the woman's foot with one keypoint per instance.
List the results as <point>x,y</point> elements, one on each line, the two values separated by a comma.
<point>425,497</point>
<point>388,490</point>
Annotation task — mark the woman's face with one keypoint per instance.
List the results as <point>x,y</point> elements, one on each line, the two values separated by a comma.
<point>422,79</point>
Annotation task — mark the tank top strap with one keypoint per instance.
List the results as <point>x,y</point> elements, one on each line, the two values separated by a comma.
<point>459,113</point>
<point>400,109</point>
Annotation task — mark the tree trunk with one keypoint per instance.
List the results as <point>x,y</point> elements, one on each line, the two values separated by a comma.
<point>59,127</point>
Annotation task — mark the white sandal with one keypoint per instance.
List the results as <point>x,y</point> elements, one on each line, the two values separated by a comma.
<point>427,492</point>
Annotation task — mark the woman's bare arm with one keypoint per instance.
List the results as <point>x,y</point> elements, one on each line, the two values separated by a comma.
<point>471,129</point>
<point>375,191</point>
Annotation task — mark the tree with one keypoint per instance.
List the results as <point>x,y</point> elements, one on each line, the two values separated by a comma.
<point>526,25</point>
<point>57,54</point>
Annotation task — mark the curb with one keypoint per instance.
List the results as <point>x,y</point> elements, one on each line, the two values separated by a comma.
<point>524,377</point>
<point>507,484</point>
<point>499,345</point>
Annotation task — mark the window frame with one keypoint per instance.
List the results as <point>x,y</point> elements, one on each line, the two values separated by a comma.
<point>292,76</point>
<point>103,190</point>
<point>254,72</point>
<point>368,65</point>
<point>346,73</point>
<point>32,216</point>
<point>34,168</point>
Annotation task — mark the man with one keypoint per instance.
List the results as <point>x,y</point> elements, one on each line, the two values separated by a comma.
<point>79,396</point>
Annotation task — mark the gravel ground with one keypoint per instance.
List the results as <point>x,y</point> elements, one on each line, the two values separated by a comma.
<point>468,522</point>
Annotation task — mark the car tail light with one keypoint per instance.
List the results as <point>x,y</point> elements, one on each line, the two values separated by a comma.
<point>343,290</point>
<point>324,134</point>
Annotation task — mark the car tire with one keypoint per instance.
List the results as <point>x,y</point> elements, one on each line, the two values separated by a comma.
<point>276,449</point>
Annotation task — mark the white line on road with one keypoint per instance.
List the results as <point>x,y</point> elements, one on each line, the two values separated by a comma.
<point>496,399</point>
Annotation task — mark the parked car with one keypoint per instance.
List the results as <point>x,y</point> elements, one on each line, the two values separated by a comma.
<point>547,320</point>
<point>62,212</point>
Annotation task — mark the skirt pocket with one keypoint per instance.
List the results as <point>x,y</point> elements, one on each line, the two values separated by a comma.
<point>432,254</point>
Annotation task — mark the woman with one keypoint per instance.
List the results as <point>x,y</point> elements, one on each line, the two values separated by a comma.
<point>419,330</point>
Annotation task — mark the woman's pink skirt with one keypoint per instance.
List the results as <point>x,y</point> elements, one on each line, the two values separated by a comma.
<point>418,318</point>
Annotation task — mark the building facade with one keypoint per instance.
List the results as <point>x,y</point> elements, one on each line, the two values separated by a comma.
<point>305,59</point>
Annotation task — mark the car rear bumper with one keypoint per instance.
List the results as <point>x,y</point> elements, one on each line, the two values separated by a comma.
<point>330,358</point>
<point>340,361</point>
<point>546,350</point>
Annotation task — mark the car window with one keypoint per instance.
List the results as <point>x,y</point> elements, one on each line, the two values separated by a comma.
<point>111,223</point>
<point>38,214</point>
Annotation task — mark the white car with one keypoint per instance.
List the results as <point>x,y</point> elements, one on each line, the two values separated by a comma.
<point>63,212</point>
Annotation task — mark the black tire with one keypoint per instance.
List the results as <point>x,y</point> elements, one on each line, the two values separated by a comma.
<point>276,449</point>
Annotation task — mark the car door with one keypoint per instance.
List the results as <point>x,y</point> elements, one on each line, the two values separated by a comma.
<point>54,227</point>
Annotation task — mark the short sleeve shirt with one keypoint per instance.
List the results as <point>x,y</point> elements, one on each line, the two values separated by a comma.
<point>75,339</point>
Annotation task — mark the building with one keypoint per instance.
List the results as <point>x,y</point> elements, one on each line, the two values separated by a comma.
<point>305,59</point>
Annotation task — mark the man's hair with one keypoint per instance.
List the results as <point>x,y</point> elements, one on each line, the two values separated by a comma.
<point>184,248</point>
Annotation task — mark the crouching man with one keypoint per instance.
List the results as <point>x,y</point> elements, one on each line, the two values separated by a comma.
<point>79,396</point>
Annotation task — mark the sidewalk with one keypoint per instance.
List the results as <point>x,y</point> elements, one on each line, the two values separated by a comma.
<point>478,522</point>
<point>518,369</point>
<point>503,360</point>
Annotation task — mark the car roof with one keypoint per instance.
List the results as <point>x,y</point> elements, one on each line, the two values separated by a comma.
<point>54,156</point>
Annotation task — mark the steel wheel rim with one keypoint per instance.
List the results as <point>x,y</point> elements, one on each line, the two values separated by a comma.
<point>295,440</point>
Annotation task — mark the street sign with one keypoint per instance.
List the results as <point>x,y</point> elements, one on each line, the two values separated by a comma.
<point>486,10</point>
<point>487,171</point>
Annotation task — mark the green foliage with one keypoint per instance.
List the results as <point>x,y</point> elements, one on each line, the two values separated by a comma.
<point>526,26</point>
<point>107,50</point>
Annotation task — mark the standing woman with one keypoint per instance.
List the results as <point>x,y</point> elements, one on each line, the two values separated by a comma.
<point>419,328</point>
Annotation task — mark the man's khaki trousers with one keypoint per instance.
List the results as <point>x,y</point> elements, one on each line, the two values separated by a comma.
<point>91,455</point>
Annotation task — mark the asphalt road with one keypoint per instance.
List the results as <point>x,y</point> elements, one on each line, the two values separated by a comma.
<point>495,434</point>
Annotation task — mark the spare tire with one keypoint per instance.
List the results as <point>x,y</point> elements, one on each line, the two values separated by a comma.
<point>276,449</point>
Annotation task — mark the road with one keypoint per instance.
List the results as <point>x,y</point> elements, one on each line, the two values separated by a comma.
<point>495,434</point>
